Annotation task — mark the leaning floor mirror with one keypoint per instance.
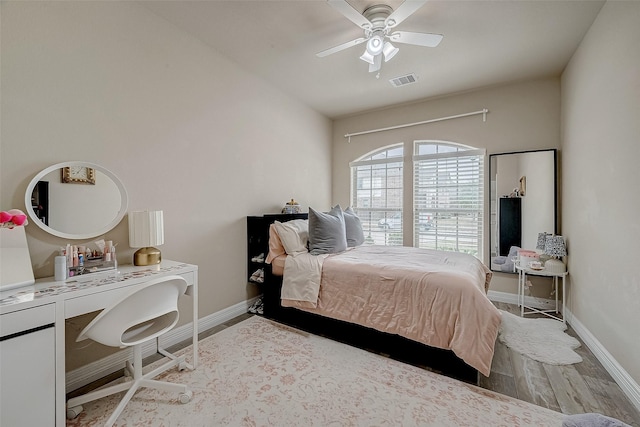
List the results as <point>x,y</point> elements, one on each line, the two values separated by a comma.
<point>523,203</point>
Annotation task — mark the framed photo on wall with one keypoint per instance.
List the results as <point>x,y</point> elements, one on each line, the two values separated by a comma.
<point>78,175</point>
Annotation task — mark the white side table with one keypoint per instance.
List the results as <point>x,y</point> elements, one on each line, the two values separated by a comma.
<point>522,280</point>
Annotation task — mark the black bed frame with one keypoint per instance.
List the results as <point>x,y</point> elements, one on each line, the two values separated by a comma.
<point>438,360</point>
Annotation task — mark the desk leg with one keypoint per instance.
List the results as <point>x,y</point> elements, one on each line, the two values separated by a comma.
<point>523,280</point>
<point>195,322</point>
<point>555,287</point>
<point>564,299</point>
<point>61,398</point>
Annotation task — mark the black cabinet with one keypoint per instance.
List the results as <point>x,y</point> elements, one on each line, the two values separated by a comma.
<point>510,224</point>
<point>258,241</point>
<point>40,201</point>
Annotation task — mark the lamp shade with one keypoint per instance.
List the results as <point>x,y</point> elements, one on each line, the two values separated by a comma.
<point>375,45</point>
<point>554,246</point>
<point>146,228</point>
<point>389,51</point>
<point>542,240</point>
<point>367,57</point>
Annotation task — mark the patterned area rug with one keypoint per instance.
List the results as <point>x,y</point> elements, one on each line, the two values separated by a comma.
<point>260,373</point>
<point>540,339</point>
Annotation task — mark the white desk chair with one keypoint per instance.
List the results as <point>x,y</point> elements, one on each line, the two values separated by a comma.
<point>143,315</point>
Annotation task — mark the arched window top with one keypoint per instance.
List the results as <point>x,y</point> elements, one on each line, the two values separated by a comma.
<point>393,152</point>
<point>429,147</point>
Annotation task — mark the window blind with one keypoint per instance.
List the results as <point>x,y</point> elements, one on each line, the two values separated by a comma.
<point>448,197</point>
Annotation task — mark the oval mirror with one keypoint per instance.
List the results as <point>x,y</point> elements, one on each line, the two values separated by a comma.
<point>76,200</point>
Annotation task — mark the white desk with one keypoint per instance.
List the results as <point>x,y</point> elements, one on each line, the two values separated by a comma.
<point>84,294</point>
<point>522,281</point>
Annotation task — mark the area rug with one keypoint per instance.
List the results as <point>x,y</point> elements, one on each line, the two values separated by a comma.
<point>541,339</point>
<point>260,373</point>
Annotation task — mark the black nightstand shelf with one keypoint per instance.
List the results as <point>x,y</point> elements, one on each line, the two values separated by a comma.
<point>258,239</point>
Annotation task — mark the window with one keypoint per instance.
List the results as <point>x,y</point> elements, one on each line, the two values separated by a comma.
<point>448,197</point>
<point>376,194</point>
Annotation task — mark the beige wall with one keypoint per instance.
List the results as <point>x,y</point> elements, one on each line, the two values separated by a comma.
<point>523,116</point>
<point>601,201</point>
<point>185,129</point>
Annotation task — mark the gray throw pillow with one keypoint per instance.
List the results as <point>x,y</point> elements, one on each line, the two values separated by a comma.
<point>353,227</point>
<point>327,234</point>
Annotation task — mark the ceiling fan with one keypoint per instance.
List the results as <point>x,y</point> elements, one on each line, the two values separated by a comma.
<point>378,23</point>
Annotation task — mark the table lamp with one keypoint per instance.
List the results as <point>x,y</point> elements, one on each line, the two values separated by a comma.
<point>555,247</point>
<point>542,240</point>
<point>146,229</point>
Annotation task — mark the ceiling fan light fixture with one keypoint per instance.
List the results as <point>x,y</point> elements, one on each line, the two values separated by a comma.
<point>377,64</point>
<point>389,51</point>
<point>375,45</point>
<point>367,57</point>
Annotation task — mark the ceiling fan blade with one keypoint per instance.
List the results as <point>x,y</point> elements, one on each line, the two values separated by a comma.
<point>420,39</point>
<point>350,13</point>
<point>340,47</point>
<point>403,12</point>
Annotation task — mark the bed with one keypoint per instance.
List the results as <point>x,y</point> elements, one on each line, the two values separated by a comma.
<point>424,307</point>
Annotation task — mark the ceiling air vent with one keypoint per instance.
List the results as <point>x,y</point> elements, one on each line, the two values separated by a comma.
<point>404,80</point>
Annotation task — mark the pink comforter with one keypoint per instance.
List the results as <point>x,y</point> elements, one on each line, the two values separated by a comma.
<point>434,297</point>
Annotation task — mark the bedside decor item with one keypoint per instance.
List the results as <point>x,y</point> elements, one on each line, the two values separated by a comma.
<point>78,174</point>
<point>292,207</point>
<point>555,247</point>
<point>15,260</point>
<point>146,229</point>
<point>525,257</point>
<point>12,218</point>
<point>542,240</point>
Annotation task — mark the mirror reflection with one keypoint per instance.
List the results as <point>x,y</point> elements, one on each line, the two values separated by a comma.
<point>76,200</point>
<point>523,203</point>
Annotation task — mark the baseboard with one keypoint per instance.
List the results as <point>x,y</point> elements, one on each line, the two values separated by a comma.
<point>628,385</point>
<point>114,362</point>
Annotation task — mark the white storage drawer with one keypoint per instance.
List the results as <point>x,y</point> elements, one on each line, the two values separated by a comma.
<point>27,367</point>
<point>24,320</point>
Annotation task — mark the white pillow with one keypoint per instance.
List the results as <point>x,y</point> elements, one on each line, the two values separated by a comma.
<point>294,235</point>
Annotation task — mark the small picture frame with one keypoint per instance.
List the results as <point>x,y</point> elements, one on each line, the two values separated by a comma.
<point>523,186</point>
<point>78,175</point>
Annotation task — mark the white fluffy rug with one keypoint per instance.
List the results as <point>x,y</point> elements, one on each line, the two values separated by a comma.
<point>541,339</point>
<point>260,373</point>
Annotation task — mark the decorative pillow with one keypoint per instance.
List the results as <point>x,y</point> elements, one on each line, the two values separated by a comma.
<point>327,234</point>
<point>294,235</point>
<point>276,248</point>
<point>353,227</point>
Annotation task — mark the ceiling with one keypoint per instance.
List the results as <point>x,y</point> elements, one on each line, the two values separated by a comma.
<point>485,43</point>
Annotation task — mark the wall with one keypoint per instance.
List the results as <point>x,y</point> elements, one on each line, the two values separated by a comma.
<point>539,196</point>
<point>600,131</point>
<point>185,130</point>
<point>523,116</point>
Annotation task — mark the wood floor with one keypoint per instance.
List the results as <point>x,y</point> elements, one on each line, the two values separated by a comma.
<point>570,389</point>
